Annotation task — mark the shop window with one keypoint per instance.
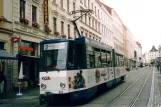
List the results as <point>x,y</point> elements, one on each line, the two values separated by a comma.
<point>26,47</point>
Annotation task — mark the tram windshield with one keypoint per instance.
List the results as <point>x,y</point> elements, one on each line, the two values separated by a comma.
<point>54,56</point>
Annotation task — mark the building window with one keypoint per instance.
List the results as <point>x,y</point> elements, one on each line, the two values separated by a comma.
<point>67,5</point>
<point>93,23</point>
<point>86,35</point>
<point>89,21</point>
<point>1,45</point>
<point>85,19</point>
<point>73,6</point>
<point>68,30</point>
<point>54,1</point>
<point>61,3</point>
<point>81,1</point>
<point>96,25</point>
<point>34,16</point>
<point>62,27</point>
<point>75,33</point>
<point>81,33</point>
<point>88,4</point>
<point>98,14</point>
<point>22,9</point>
<point>95,11</point>
<point>85,3</point>
<point>54,23</point>
<point>92,6</point>
<point>81,14</point>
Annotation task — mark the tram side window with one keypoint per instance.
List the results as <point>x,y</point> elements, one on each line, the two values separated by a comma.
<point>121,61</point>
<point>109,60</point>
<point>104,59</point>
<point>71,55</point>
<point>79,57</point>
<point>97,58</point>
<point>117,60</point>
<point>90,56</point>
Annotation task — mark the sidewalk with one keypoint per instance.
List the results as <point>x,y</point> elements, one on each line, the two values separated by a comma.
<point>157,89</point>
<point>30,98</point>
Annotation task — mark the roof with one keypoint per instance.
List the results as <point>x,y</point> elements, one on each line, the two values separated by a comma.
<point>153,49</point>
<point>138,44</point>
<point>109,9</point>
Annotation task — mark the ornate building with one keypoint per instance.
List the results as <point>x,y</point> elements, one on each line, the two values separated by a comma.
<point>153,54</point>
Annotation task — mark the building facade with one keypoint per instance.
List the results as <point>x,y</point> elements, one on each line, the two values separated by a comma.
<point>60,17</point>
<point>145,59</point>
<point>5,34</point>
<point>90,24</point>
<point>139,53</point>
<point>125,45</point>
<point>106,26</point>
<point>117,32</point>
<point>131,47</point>
<point>153,54</point>
<point>31,23</point>
<point>159,50</point>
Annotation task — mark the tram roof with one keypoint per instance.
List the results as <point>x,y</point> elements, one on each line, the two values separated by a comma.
<point>89,41</point>
<point>93,43</point>
<point>55,40</point>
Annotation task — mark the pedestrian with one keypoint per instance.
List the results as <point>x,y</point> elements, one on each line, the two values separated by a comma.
<point>2,80</point>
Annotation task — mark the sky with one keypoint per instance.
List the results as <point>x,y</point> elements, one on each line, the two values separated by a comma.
<point>142,17</point>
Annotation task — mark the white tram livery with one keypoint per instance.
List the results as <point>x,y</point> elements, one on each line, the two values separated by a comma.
<point>77,69</point>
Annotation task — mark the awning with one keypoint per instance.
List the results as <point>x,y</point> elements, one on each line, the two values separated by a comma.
<point>5,56</point>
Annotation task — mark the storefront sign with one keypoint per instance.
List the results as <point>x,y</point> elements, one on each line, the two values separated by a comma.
<point>15,39</point>
<point>46,17</point>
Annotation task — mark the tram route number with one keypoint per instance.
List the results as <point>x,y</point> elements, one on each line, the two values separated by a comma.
<point>60,91</point>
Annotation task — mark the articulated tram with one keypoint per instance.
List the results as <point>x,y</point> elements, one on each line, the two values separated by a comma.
<point>77,69</point>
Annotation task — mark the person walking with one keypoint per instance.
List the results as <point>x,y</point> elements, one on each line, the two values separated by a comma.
<point>2,80</point>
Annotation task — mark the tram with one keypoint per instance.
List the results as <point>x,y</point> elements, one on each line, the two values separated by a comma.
<point>77,69</point>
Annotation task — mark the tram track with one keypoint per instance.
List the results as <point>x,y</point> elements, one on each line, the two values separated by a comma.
<point>137,95</point>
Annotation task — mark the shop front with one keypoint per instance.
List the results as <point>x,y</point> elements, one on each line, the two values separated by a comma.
<point>6,61</point>
<point>28,54</point>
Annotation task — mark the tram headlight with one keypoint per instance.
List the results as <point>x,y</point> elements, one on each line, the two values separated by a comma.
<point>43,86</point>
<point>62,85</point>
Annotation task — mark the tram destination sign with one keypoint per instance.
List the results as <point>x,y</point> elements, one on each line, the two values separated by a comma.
<point>54,46</point>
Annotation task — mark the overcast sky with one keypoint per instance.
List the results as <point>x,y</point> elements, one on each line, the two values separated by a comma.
<point>142,17</point>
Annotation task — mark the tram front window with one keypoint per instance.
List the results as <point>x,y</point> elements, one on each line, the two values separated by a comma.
<point>55,56</point>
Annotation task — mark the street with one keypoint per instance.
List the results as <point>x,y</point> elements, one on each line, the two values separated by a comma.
<point>141,89</point>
